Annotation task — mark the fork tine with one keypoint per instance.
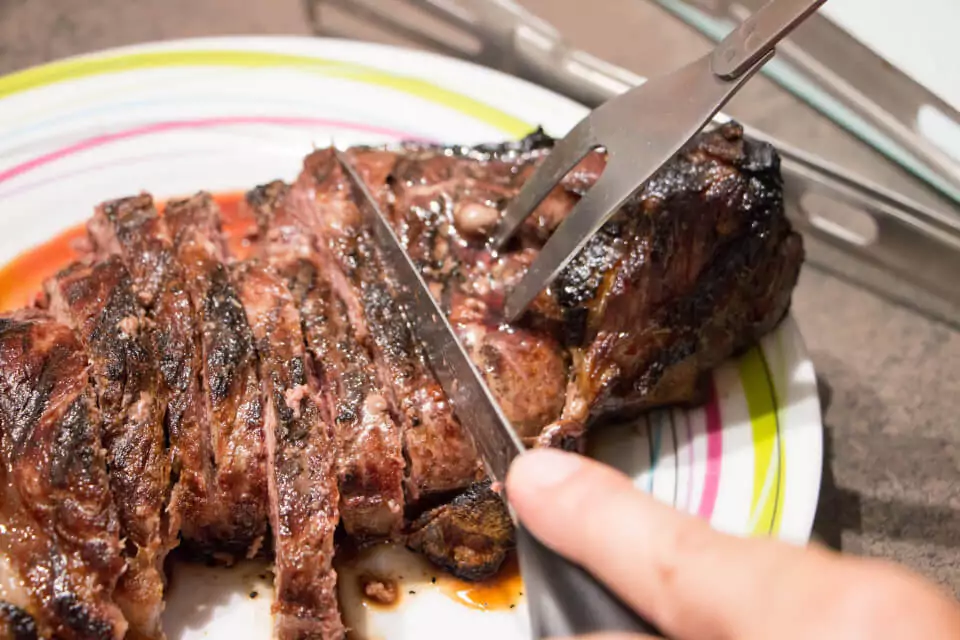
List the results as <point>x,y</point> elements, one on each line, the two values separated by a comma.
<point>604,198</point>
<point>562,158</point>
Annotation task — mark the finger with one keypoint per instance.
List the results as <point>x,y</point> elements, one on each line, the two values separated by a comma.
<point>693,582</point>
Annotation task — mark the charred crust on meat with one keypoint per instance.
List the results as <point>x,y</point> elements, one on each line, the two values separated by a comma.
<point>470,536</point>
<point>263,199</point>
<point>353,393</point>
<point>232,342</point>
<point>16,624</point>
<point>70,453</point>
<point>388,325</point>
<point>77,616</point>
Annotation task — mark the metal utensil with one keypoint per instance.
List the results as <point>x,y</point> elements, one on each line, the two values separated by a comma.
<point>640,130</point>
<point>855,87</point>
<point>563,599</point>
<point>911,260</point>
<point>899,248</point>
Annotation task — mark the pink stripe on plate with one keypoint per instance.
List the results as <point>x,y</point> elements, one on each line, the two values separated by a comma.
<point>689,430</point>
<point>711,482</point>
<point>70,175</point>
<point>200,123</point>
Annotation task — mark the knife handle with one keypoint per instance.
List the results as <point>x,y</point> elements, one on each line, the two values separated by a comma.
<point>564,600</point>
<point>759,34</point>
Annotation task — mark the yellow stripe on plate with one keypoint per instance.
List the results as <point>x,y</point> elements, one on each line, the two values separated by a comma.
<point>83,67</point>
<point>766,508</point>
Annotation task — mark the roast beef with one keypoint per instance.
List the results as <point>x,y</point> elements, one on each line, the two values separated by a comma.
<point>98,302</point>
<point>231,387</point>
<point>301,461</point>
<point>440,457</point>
<point>694,268</point>
<point>60,552</point>
<point>370,461</point>
<point>131,229</point>
<point>294,392</point>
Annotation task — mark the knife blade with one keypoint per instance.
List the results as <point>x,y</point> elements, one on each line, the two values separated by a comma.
<point>563,599</point>
<point>472,401</point>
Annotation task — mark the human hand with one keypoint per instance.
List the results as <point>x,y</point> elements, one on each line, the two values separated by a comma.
<point>694,583</point>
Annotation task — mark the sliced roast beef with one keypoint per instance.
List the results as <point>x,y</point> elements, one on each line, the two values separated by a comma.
<point>293,389</point>
<point>231,387</point>
<point>370,461</point>
<point>98,302</point>
<point>439,456</point>
<point>131,229</point>
<point>301,461</point>
<point>59,532</point>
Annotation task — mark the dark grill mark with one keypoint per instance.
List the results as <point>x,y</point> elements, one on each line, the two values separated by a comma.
<point>15,623</point>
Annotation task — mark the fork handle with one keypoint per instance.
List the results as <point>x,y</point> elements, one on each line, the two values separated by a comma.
<point>757,35</point>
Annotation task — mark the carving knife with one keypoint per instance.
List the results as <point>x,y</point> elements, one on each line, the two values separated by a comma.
<point>563,599</point>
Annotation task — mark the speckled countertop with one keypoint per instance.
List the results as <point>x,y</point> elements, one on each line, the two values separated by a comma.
<point>889,377</point>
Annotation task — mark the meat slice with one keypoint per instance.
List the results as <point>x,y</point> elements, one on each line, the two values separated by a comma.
<point>231,387</point>
<point>470,537</point>
<point>98,302</point>
<point>301,461</point>
<point>440,457</point>
<point>443,206</point>
<point>60,551</point>
<point>46,589</point>
<point>370,460</point>
<point>131,229</point>
<point>526,372</point>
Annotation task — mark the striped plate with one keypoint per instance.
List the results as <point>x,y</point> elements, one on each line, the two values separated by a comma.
<point>224,114</point>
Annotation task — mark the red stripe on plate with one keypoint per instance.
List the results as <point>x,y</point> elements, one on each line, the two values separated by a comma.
<point>711,482</point>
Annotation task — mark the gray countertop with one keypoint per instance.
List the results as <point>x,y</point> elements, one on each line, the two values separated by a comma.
<point>889,377</point>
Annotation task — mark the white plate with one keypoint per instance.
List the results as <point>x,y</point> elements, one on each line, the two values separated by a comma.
<point>225,114</point>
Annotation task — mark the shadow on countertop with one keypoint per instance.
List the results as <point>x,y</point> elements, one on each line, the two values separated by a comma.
<point>842,509</point>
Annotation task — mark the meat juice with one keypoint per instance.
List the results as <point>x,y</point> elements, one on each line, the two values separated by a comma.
<point>502,591</point>
<point>22,278</point>
<point>383,575</point>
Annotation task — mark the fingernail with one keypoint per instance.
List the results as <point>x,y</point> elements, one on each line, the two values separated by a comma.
<point>545,468</point>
